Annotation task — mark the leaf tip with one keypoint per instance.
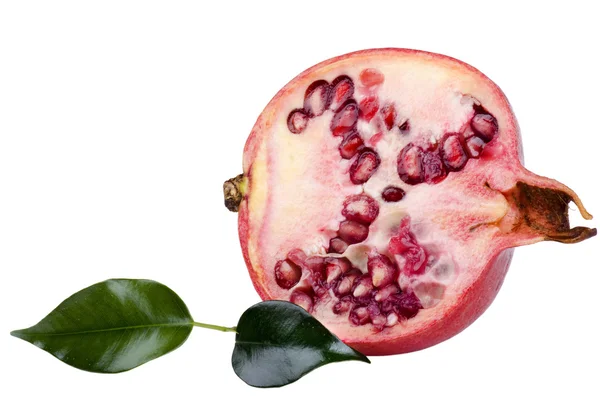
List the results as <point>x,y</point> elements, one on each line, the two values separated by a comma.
<point>18,333</point>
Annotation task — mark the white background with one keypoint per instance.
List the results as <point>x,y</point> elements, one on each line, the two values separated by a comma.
<point>120,120</point>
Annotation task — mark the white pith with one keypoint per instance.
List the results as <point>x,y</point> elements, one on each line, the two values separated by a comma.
<point>299,184</point>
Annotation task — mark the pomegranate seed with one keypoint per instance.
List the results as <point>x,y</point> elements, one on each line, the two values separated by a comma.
<point>389,115</point>
<point>345,118</point>
<point>410,164</point>
<point>287,274</point>
<point>382,270</point>
<point>406,305</point>
<point>359,316</point>
<point>337,246</point>
<point>350,145</point>
<point>405,244</point>
<point>371,77</point>
<point>317,98</point>
<point>484,126</point>
<point>376,138</point>
<point>334,268</point>
<point>416,260</point>
<point>342,91</point>
<point>404,239</point>
<point>314,263</point>
<point>474,146</point>
<point>346,283</point>
<point>297,121</point>
<point>302,299</point>
<point>368,108</point>
<point>363,286</point>
<point>375,315</point>
<point>353,232</point>
<point>360,208</point>
<point>385,292</point>
<point>401,243</point>
<point>391,320</point>
<point>364,166</point>
<point>392,194</point>
<point>453,153</point>
<point>316,277</point>
<point>434,170</point>
<point>343,305</point>
<point>405,126</point>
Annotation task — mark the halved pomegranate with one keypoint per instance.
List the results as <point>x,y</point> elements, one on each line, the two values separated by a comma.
<point>383,191</point>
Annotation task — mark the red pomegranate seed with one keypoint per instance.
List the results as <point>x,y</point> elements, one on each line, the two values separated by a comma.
<point>316,277</point>
<point>406,305</point>
<point>337,246</point>
<point>382,270</point>
<point>434,170</point>
<point>342,90</point>
<point>404,239</point>
<point>376,138</point>
<point>346,283</point>
<point>334,268</point>
<point>405,126</point>
<point>360,208</point>
<point>416,260</point>
<point>453,153</point>
<point>375,315</point>
<point>287,274</point>
<point>371,77</point>
<point>302,299</point>
<point>364,166</point>
<point>474,146</point>
<point>353,232</point>
<point>389,115</point>
<point>314,263</point>
<point>385,292</point>
<point>351,144</point>
<point>368,108</point>
<point>297,121</point>
<point>343,305</point>
<point>317,98</point>
<point>392,194</point>
<point>359,316</point>
<point>345,118</point>
<point>363,286</point>
<point>405,244</point>
<point>410,164</point>
<point>484,126</point>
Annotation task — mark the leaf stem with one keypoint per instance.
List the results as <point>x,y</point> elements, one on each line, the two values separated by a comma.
<point>213,327</point>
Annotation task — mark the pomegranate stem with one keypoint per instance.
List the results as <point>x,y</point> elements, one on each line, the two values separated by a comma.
<point>214,327</point>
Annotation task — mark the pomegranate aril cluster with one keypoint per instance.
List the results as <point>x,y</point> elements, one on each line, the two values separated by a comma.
<point>372,297</point>
<point>338,96</point>
<point>431,165</point>
<point>360,211</point>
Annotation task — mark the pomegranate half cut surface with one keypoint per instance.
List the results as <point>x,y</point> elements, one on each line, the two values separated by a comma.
<point>383,191</point>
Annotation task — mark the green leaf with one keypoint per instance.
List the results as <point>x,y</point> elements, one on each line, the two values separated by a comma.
<point>113,326</point>
<point>279,342</point>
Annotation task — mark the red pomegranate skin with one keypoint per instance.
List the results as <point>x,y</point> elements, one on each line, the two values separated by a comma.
<point>251,194</point>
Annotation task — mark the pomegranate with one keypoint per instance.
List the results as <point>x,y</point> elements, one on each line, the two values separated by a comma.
<point>384,192</point>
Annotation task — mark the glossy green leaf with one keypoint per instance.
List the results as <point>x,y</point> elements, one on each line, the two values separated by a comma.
<point>113,326</point>
<point>278,342</point>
